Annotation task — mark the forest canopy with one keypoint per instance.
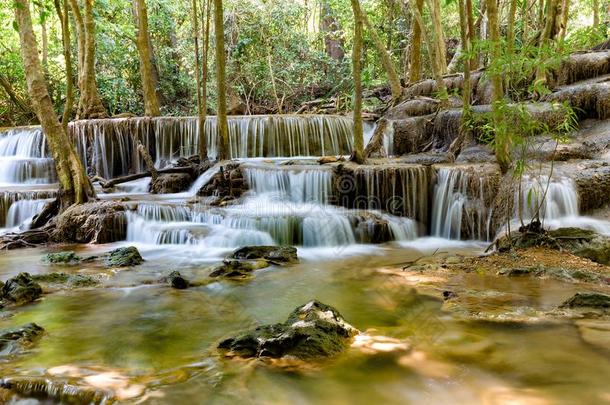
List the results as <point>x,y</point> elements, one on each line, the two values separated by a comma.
<point>279,54</point>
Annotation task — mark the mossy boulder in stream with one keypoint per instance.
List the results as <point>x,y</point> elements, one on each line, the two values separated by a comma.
<point>20,289</point>
<point>171,183</point>
<point>68,257</point>
<point>274,254</point>
<point>312,331</point>
<point>13,340</point>
<point>72,280</point>
<point>588,300</point>
<point>231,268</point>
<point>175,280</point>
<point>125,257</point>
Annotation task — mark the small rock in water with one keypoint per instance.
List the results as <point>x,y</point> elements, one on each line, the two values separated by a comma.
<point>124,257</point>
<point>21,289</point>
<point>447,295</point>
<point>14,339</point>
<point>175,280</point>
<point>274,254</point>
<point>238,268</point>
<point>68,257</point>
<point>588,300</point>
<point>312,331</point>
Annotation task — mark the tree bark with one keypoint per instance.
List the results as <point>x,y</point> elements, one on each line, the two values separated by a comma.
<point>143,44</point>
<point>436,70</point>
<point>15,98</point>
<point>358,152</point>
<point>73,182</point>
<point>595,14</point>
<point>416,45</point>
<point>333,45</point>
<point>472,35</point>
<point>439,37</point>
<point>203,142</point>
<point>65,38</point>
<point>510,36</point>
<point>386,60</point>
<point>89,103</point>
<point>221,116</point>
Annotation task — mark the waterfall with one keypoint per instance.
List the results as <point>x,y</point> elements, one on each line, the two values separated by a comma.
<point>23,157</point>
<point>399,190</point>
<point>561,199</point>
<point>18,206</point>
<point>108,147</point>
<point>295,183</point>
<point>459,207</point>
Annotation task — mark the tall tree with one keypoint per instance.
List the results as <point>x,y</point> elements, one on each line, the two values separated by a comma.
<point>200,112</point>
<point>329,26</point>
<point>386,60</point>
<point>64,20</point>
<point>203,144</point>
<point>73,182</point>
<point>143,44</point>
<point>89,103</point>
<point>595,14</point>
<point>358,152</point>
<point>416,45</point>
<point>438,37</point>
<point>221,116</point>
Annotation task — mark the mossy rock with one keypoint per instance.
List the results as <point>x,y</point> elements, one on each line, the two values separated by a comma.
<point>175,280</point>
<point>274,254</point>
<point>238,268</point>
<point>21,289</point>
<point>12,340</point>
<point>312,331</point>
<point>68,257</point>
<point>588,300</point>
<point>125,257</point>
<point>74,280</point>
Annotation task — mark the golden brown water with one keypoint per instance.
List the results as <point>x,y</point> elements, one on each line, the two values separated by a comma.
<point>148,343</point>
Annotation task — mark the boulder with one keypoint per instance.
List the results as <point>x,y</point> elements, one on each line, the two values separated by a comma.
<point>171,183</point>
<point>274,254</point>
<point>588,300</point>
<point>21,289</point>
<point>13,340</point>
<point>312,331</point>
<point>73,280</point>
<point>238,268</point>
<point>95,222</point>
<point>124,257</point>
<point>175,280</point>
<point>68,257</point>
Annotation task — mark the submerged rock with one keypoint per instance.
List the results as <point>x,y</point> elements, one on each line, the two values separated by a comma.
<point>68,257</point>
<point>171,183</point>
<point>13,340</point>
<point>125,257</point>
<point>45,390</point>
<point>95,222</point>
<point>21,289</point>
<point>238,268</point>
<point>588,300</point>
<point>274,254</point>
<point>74,280</point>
<point>175,280</point>
<point>312,331</point>
<point>571,275</point>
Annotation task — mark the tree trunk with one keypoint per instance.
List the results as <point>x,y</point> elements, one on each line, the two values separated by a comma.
<point>333,45</point>
<point>510,36</point>
<point>15,98</point>
<point>143,43</point>
<point>203,142</point>
<point>89,103</point>
<point>65,38</point>
<point>436,69</point>
<point>221,116</point>
<point>563,24</point>
<point>73,182</point>
<point>595,14</point>
<point>439,37</point>
<point>358,152</point>
<point>386,61</point>
<point>474,64</point>
<point>416,42</point>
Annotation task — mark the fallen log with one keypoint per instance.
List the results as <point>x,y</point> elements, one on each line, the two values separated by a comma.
<point>136,176</point>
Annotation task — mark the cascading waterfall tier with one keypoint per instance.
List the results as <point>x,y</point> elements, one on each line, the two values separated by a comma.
<point>23,157</point>
<point>460,204</point>
<point>401,190</point>
<point>17,207</point>
<point>109,146</point>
